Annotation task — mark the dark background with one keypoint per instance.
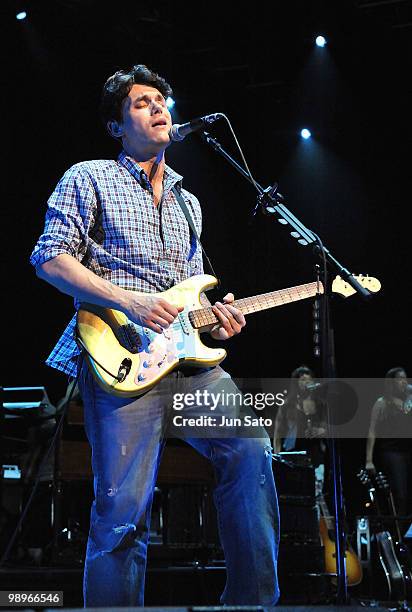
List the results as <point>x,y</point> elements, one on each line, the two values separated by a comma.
<point>351,182</point>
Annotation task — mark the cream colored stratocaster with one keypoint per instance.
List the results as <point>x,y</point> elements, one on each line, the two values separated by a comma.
<point>128,359</point>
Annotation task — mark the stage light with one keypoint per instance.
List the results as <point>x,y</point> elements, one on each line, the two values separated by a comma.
<point>320,41</point>
<point>21,15</point>
<point>170,102</point>
<point>305,133</point>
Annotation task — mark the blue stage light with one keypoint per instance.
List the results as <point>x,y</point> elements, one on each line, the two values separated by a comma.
<point>305,133</point>
<point>320,41</point>
<point>170,102</point>
<point>21,15</point>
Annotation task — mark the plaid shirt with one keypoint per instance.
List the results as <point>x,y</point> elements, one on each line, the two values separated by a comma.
<point>102,213</point>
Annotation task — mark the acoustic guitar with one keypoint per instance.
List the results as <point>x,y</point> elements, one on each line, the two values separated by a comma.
<point>392,581</point>
<point>401,550</point>
<point>128,359</point>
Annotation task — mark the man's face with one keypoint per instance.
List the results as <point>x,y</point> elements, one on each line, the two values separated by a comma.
<point>146,120</point>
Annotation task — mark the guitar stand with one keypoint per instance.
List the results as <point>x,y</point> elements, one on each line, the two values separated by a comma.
<point>271,202</point>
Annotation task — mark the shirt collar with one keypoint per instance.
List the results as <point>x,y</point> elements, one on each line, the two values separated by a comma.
<point>170,178</point>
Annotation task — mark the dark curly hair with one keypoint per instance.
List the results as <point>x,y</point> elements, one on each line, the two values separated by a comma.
<point>389,384</point>
<point>118,85</point>
<point>294,390</point>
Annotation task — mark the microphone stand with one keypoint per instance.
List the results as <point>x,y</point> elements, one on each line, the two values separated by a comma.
<point>272,203</point>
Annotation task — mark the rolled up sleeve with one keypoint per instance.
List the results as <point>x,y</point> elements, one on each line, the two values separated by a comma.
<point>70,212</point>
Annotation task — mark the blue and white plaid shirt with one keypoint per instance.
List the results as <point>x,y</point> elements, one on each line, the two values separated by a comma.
<point>102,213</point>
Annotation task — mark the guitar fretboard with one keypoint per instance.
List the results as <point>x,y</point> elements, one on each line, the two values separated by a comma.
<point>205,316</point>
<point>324,510</point>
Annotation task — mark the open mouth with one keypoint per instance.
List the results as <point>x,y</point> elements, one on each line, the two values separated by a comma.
<point>160,123</point>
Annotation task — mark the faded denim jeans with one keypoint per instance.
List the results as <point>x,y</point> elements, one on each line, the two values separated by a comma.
<point>127,437</point>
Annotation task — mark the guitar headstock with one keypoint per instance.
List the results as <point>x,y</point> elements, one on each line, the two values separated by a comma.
<point>382,481</point>
<point>343,288</point>
<point>384,487</point>
<point>365,478</point>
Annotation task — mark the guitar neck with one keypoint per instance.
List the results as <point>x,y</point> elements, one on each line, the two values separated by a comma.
<point>394,514</point>
<point>324,511</point>
<point>205,316</point>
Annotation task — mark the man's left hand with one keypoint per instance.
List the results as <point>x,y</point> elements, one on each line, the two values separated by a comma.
<point>231,320</point>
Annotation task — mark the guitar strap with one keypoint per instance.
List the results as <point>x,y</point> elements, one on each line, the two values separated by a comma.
<point>97,231</point>
<point>189,219</point>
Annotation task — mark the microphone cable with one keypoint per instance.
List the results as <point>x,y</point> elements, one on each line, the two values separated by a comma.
<point>246,167</point>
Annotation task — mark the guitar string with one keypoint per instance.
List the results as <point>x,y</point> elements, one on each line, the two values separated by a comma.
<point>205,316</point>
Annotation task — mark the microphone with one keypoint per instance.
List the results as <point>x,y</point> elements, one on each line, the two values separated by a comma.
<point>178,132</point>
<point>313,386</point>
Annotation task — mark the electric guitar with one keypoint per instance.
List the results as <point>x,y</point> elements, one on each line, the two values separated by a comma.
<point>128,359</point>
<point>326,529</point>
<point>394,583</point>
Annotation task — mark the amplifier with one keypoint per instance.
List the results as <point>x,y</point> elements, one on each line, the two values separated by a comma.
<point>300,558</point>
<point>299,519</point>
<point>298,478</point>
<point>179,465</point>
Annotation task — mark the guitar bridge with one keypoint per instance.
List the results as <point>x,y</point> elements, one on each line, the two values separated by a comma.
<point>129,338</point>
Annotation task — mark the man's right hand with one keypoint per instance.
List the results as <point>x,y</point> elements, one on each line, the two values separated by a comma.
<point>151,311</point>
<point>73,278</point>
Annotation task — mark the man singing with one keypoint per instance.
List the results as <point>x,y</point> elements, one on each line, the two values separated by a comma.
<point>114,228</point>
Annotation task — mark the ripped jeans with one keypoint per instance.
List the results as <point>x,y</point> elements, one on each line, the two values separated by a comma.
<point>127,437</point>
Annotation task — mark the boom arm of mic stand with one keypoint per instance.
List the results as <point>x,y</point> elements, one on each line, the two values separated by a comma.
<point>272,203</point>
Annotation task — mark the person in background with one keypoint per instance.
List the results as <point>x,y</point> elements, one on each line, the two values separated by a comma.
<point>300,423</point>
<point>389,446</point>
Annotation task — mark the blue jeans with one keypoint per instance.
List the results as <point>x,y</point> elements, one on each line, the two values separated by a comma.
<point>127,438</point>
